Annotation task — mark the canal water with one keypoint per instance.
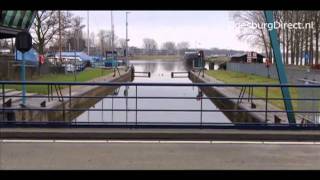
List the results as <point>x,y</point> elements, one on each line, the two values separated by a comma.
<point>160,72</point>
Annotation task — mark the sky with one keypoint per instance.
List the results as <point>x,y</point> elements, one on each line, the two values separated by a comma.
<point>202,29</point>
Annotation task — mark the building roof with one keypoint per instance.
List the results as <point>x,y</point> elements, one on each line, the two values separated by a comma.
<point>83,56</point>
<point>12,22</point>
<point>244,54</point>
<point>239,55</point>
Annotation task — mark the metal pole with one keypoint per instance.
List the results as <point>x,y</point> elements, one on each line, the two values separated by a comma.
<point>23,79</point>
<point>3,102</point>
<point>280,67</point>
<point>102,119</point>
<point>127,40</point>
<point>112,35</point>
<point>136,105</point>
<point>60,48</point>
<point>88,34</point>
<point>266,113</point>
<point>201,110</point>
<point>112,108</point>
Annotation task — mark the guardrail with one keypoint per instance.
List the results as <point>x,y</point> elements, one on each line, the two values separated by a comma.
<point>69,97</point>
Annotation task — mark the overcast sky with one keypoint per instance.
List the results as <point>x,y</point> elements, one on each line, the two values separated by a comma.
<point>202,29</point>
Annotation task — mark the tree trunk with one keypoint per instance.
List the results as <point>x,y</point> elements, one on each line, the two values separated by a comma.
<point>287,40</point>
<point>311,40</point>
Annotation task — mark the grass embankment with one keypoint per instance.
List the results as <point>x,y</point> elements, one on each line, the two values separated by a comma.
<point>86,75</point>
<point>156,57</point>
<point>243,78</point>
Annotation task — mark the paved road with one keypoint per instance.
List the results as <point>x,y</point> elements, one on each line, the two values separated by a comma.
<point>99,155</point>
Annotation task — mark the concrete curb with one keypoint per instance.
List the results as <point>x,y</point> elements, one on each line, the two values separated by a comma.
<point>159,134</point>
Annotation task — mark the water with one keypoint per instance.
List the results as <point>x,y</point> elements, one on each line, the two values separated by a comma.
<point>160,72</point>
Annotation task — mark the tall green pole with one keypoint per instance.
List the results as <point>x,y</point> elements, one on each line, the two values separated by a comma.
<point>280,67</point>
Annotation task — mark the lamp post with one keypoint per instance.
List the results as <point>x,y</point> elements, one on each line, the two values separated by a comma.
<point>88,40</point>
<point>112,35</point>
<point>127,40</point>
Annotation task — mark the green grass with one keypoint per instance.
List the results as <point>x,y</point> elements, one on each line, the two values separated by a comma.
<point>86,75</point>
<point>243,78</point>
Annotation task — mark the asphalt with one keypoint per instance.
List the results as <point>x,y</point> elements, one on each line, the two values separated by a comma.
<point>155,156</point>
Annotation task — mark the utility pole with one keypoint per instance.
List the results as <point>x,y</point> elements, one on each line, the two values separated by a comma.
<point>60,48</point>
<point>112,35</point>
<point>88,40</point>
<point>127,40</point>
<point>112,44</point>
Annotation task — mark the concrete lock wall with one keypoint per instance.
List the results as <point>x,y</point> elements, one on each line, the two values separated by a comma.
<point>63,114</point>
<point>293,73</point>
<point>235,117</point>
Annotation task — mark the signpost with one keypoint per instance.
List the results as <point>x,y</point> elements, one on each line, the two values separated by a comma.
<point>23,44</point>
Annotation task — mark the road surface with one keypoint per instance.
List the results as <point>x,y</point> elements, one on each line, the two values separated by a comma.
<point>154,155</point>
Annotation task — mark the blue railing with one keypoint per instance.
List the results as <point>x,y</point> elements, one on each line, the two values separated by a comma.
<point>68,99</point>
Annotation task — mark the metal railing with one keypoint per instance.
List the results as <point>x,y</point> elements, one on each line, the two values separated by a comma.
<point>70,99</point>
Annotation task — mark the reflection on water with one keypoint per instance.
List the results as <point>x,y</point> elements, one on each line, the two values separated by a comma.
<point>160,72</point>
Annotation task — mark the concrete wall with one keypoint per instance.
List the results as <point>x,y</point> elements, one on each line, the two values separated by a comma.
<point>63,114</point>
<point>235,117</point>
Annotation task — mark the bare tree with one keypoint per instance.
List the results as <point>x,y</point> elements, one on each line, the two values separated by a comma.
<point>169,47</point>
<point>257,37</point>
<point>122,43</point>
<point>149,45</point>
<point>45,27</point>
<point>183,46</point>
<point>102,36</point>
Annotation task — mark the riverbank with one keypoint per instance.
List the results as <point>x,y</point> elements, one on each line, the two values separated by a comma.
<point>83,76</point>
<point>58,108</point>
<point>246,115</point>
<point>244,78</point>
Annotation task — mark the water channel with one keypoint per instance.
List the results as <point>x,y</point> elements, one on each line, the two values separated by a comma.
<point>160,72</point>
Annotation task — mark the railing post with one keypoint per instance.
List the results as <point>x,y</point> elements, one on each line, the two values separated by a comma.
<point>70,103</point>
<point>51,90</point>
<point>48,93</point>
<point>112,107</point>
<point>201,108</point>
<point>266,110</point>
<point>3,102</point>
<point>126,94</point>
<point>102,119</point>
<point>136,104</point>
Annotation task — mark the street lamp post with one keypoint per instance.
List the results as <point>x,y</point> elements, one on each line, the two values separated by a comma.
<point>88,40</point>
<point>127,40</point>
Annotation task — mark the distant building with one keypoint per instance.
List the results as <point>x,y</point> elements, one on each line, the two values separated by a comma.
<point>249,57</point>
<point>69,56</point>
<point>5,51</point>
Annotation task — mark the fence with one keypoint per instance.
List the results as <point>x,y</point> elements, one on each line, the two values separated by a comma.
<point>9,109</point>
<point>293,73</point>
<point>10,69</point>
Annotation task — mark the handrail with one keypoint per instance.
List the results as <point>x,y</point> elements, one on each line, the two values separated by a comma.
<point>158,84</point>
<point>71,98</point>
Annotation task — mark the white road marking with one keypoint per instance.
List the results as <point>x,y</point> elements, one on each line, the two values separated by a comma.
<point>80,141</point>
<point>26,141</point>
<point>236,142</point>
<point>186,142</point>
<point>157,142</point>
<point>133,141</point>
<point>293,143</point>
